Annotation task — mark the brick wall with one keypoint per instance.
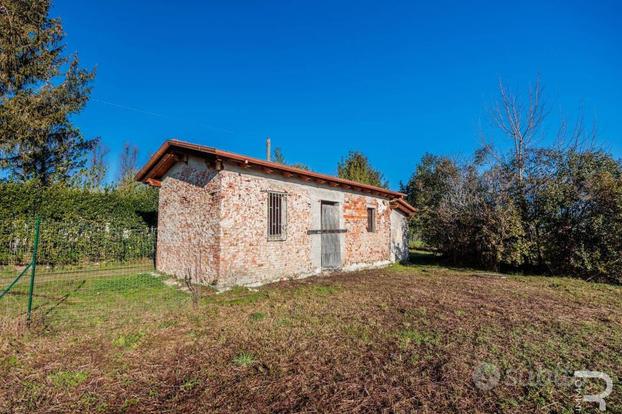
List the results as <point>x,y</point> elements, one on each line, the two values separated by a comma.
<point>362,246</point>
<point>214,224</point>
<point>189,222</point>
<point>247,256</point>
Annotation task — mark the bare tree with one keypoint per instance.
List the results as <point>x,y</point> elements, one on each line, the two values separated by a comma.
<point>93,175</point>
<point>98,168</point>
<point>577,136</point>
<point>128,162</point>
<point>520,122</point>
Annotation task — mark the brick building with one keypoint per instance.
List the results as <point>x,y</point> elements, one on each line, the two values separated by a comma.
<point>227,219</point>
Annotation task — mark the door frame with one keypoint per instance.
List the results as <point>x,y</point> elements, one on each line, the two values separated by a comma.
<point>332,235</point>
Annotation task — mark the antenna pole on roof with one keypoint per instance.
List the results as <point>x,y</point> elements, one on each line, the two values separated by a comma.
<point>268,152</point>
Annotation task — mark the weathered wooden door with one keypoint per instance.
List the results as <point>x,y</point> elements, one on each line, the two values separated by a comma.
<point>331,247</point>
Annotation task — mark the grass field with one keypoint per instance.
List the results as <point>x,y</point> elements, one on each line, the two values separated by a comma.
<point>402,339</point>
<point>70,292</point>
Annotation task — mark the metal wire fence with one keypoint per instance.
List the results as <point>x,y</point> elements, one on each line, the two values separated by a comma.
<point>85,272</point>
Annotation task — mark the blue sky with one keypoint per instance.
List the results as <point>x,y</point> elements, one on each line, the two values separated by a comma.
<point>391,79</point>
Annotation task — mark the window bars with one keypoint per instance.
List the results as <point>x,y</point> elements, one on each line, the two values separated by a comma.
<point>277,216</point>
<point>371,220</point>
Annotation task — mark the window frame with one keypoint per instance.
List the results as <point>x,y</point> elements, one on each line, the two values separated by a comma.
<point>371,219</point>
<point>276,211</point>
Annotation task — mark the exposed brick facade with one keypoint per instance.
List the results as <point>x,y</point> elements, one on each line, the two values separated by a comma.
<point>362,246</point>
<point>247,254</point>
<point>213,225</point>
<point>189,222</point>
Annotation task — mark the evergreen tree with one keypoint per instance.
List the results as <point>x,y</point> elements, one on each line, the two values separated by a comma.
<point>356,167</point>
<point>279,157</point>
<point>40,88</point>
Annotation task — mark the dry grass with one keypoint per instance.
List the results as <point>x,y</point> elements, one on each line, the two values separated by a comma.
<point>400,339</point>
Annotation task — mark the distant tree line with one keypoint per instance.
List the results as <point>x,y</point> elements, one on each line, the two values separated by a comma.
<point>549,209</point>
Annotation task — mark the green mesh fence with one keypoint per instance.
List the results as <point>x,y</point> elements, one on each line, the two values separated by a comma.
<point>85,272</point>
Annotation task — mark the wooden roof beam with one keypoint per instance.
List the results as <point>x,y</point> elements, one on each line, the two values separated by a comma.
<point>244,164</point>
<point>153,182</point>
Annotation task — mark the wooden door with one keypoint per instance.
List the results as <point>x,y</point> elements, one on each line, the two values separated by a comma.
<point>331,246</point>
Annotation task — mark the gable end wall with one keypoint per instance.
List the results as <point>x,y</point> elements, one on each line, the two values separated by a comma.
<point>189,222</point>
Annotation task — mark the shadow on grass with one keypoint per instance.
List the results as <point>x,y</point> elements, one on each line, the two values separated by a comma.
<point>424,258</point>
<point>429,258</point>
<point>421,257</point>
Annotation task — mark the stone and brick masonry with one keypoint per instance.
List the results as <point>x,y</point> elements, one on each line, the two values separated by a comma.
<point>212,225</point>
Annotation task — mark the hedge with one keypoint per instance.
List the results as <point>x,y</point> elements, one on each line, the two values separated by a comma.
<point>134,207</point>
<point>78,226</point>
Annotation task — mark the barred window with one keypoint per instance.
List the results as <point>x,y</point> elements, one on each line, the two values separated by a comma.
<point>371,219</point>
<point>277,216</point>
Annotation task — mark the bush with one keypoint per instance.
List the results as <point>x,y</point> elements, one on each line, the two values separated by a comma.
<point>576,209</point>
<point>78,225</point>
<point>563,217</point>
<point>22,201</point>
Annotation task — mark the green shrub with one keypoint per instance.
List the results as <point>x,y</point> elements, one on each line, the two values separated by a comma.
<point>78,226</point>
<point>562,217</point>
<point>244,359</point>
<point>22,201</point>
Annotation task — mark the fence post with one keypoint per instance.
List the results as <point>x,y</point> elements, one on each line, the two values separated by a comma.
<point>154,247</point>
<point>33,266</point>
